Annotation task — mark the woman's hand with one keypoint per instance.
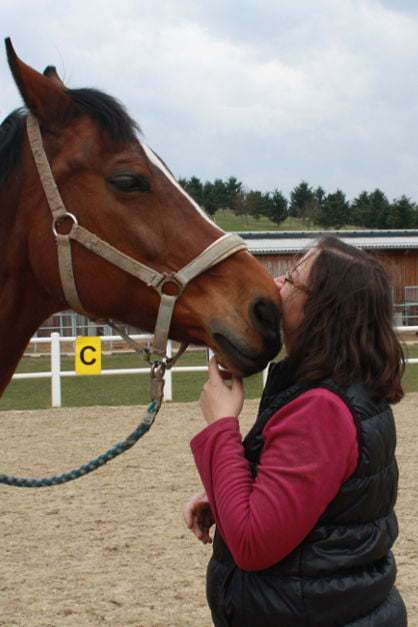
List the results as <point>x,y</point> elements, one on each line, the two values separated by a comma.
<point>218,399</point>
<point>198,517</point>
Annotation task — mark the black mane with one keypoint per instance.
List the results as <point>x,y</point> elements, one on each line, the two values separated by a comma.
<point>11,137</point>
<point>110,115</point>
<point>108,112</point>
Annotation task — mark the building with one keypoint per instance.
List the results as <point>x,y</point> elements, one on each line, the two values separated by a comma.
<point>396,249</point>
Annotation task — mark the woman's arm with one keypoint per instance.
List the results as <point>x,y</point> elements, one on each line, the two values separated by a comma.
<point>310,450</point>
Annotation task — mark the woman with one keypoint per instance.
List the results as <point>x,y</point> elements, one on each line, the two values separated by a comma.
<point>304,505</point>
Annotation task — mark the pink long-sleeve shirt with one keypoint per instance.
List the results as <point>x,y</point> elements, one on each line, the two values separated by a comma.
<point>310,449</point>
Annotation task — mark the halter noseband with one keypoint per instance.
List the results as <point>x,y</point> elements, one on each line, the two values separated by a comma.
<point>216,252</point>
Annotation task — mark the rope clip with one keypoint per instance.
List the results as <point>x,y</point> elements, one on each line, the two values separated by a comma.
<point>157,372</point>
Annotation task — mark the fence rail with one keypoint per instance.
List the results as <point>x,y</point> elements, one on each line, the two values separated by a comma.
<point>55,374</point>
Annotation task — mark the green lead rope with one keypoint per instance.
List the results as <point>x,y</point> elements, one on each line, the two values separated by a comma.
<point>94,464</point>
<point>156,389</point>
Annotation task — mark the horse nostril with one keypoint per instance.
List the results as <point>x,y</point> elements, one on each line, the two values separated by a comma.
<point>266,318</point>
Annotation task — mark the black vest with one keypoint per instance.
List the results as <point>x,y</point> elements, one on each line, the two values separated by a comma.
<point>343,572</point>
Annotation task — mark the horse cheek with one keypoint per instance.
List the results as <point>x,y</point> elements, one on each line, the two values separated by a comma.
<point>43,261</point>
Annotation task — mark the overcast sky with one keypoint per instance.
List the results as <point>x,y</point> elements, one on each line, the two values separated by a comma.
<point>270,91</point>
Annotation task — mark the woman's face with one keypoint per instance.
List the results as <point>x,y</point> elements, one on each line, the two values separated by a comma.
<point>294,290</point>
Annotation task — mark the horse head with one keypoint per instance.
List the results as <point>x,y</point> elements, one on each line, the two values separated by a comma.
<point>120,190</point>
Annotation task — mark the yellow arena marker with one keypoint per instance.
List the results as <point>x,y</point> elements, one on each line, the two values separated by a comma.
<point>88,355</point>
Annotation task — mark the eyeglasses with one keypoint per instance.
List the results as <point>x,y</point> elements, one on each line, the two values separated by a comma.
<point>298,286</point>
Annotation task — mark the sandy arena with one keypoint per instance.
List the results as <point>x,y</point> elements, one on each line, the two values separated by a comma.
<point>112,548</point>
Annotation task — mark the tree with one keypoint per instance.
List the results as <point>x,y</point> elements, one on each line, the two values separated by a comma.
<point>194,188</point>
<point>279,208</point>
<point>403,214</point>
<point>272,205</point>
<point>319,194</point>
<point>257,204</point>
<point>311,209</point>
<point>208,198</point>
<point>220,194</point>
<point>334,210</point>
<point>371,210</point>
<point>214,196</point>
<point>361,209</point>
<point>301,198</point>
<point>381,210</point>
<point>238,204</point>
<point>233,188</point>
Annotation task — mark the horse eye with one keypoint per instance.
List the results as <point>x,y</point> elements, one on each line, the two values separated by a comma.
<point>130,183</point>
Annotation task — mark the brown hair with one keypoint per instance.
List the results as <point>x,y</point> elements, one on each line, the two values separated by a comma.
<point>347,330</point>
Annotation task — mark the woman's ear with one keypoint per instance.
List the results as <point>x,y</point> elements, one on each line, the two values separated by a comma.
<point>45,98</point>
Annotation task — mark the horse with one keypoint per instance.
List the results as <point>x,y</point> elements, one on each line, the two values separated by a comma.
<point>117,188</point>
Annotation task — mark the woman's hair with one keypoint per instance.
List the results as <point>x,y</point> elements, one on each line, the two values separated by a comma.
<point>347,330</point>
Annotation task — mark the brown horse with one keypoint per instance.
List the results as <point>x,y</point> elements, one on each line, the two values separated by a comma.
<point>119,190</point>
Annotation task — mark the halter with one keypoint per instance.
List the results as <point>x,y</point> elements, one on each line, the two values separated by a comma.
<point>216,252</point>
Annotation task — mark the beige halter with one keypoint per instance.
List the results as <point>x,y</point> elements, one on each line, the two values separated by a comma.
<point>216,252</point>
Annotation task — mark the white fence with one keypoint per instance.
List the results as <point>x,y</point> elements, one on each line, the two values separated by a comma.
<point>55,374</point>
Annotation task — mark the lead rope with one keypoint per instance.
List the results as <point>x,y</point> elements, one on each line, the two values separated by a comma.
<point>158,369</point>
<point>157,372</point>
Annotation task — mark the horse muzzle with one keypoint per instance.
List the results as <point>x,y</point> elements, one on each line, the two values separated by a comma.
<point>238,354</point>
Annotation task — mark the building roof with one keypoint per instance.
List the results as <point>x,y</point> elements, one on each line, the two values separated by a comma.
<point>282,242</point>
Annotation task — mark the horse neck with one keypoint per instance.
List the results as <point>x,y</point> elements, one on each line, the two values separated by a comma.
<point>23,304</point>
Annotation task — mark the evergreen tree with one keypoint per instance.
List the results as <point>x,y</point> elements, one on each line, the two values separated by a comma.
<point>381,210</point>
<point>310,213</point>
<point>257,204</point>
<point>334,210</point>
<point>301,199</point>
<point>371,210</point>
<point>219,194</point>
<point>319,194</point>
<point>361,209</point>
<point>239,205</point>
<point>208,202</point>
<point>279,207</point>
<point>233,187</point>
<point>403,214</point>
<point>193,187</point>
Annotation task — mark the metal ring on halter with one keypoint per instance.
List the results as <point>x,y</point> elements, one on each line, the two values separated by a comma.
<point>167,279</point>
<point>61,218</point>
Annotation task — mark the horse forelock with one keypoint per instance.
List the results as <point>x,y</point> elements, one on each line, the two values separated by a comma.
<point>108,112</point>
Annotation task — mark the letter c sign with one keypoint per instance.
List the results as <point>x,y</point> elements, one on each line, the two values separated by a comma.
<point>88,355</point>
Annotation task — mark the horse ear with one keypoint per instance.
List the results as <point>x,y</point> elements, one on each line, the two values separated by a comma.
<point>51,72</point>
<point>44,97</point>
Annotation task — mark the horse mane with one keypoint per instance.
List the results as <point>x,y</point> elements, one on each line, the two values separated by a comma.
<point>11,138</point>
<point>110,115</point>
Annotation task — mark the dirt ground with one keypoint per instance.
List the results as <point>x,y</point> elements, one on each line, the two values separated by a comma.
<point>112,548</point>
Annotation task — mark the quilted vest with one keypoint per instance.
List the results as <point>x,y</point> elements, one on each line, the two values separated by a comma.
<point>343,572</point>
